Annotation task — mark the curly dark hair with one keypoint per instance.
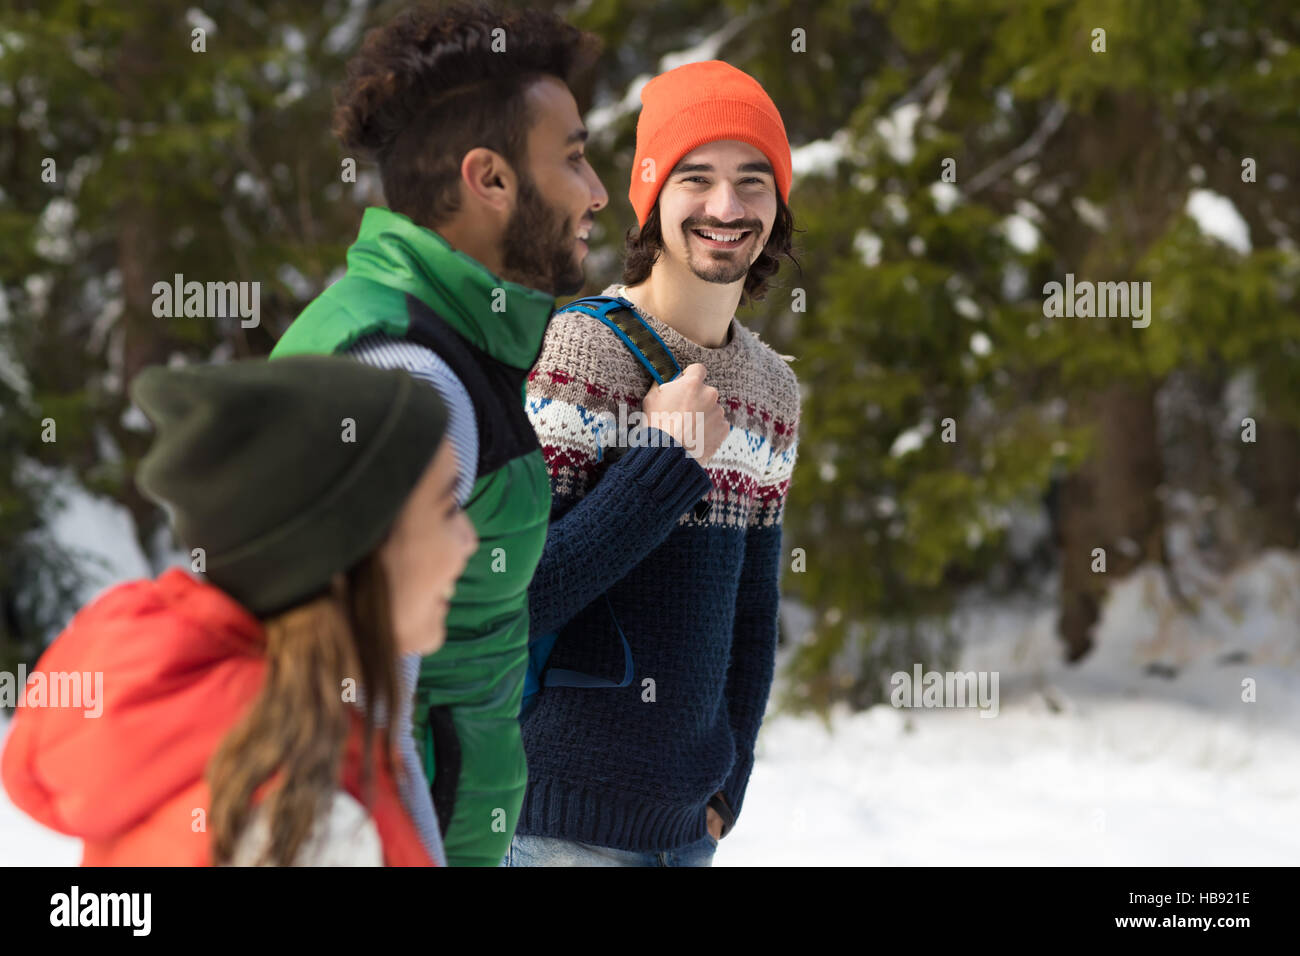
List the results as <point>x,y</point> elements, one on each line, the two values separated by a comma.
<point>643,246</point>
<point>436,82</point>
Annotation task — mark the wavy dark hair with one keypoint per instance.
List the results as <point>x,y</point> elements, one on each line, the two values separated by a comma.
<point>428,87</point>
<point>643,246</point>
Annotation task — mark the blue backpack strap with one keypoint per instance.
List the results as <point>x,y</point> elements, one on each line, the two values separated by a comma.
<point>562,677</point>
<point>641,340</point>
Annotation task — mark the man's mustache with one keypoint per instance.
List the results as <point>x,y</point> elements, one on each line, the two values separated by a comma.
<point>744,225</point>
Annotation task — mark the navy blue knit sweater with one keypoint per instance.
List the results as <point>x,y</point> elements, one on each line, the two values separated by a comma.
<point>690,559</point>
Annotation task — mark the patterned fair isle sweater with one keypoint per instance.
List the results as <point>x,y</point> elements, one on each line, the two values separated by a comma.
<point>694,587</point>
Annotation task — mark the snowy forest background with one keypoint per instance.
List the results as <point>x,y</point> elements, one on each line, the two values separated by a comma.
<point>951,158</point>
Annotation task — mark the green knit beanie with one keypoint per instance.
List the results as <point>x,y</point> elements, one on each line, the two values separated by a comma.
<point>284,472</point>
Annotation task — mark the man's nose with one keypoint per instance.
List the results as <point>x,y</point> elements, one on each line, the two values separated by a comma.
<point>723,204</point>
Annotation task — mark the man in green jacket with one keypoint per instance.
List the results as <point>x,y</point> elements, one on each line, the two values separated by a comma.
<point>480,148</point>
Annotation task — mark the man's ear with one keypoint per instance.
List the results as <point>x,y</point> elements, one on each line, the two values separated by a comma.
<point>488,179</point>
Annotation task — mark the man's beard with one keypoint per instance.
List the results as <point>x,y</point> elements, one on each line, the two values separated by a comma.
<point>539,245</point>
<point>723,271</point>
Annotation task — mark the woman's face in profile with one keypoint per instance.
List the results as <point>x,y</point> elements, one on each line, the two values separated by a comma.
<point>424,554</point>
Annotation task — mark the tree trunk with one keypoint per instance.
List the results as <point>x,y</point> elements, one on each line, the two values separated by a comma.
<point>145,340</point>
<point>1110,502</point>
<point>1277,481</point>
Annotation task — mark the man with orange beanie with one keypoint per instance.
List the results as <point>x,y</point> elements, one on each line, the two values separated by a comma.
<point>675,544</point>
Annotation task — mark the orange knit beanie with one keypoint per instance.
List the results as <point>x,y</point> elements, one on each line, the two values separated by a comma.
<point>696,104</point>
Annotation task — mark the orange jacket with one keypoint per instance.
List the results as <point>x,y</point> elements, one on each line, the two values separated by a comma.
<point>182,662</point>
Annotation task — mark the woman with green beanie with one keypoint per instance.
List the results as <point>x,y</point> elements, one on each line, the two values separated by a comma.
<point>244,710</point>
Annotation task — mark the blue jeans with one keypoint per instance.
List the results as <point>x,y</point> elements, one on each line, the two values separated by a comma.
<point>527,850</point>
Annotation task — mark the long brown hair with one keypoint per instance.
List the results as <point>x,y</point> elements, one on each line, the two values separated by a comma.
<point>298,726</point>
<point>644,245</point>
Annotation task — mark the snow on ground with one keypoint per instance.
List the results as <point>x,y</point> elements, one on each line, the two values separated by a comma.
<point>1099,764</point>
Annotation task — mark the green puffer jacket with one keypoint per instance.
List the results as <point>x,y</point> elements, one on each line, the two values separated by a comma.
<point>407,282</point>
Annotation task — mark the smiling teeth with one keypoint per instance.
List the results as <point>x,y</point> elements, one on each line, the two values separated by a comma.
<point>719,237</point>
